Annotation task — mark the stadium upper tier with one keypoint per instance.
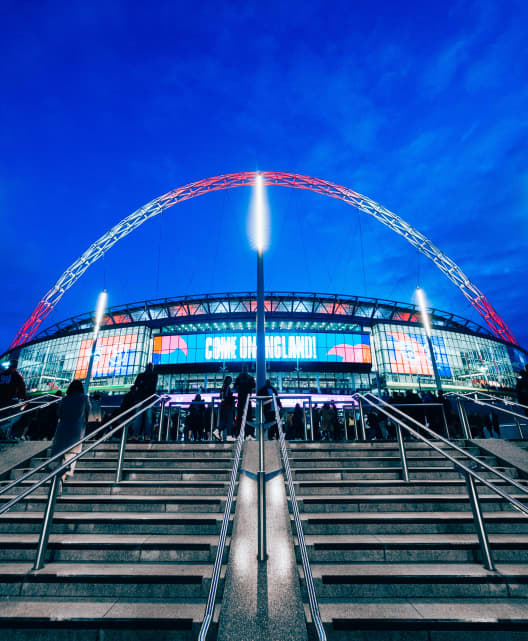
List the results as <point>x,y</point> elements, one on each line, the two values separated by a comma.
<point>220,307</point>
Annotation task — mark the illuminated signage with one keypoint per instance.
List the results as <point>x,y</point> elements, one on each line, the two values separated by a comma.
<point>203,348</point>
<point>114,356</point>
<point>409,354</point>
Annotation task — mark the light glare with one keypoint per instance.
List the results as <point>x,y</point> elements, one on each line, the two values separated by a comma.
<point>258,229</point>
<point>100,310</point>
<point>423,311</point>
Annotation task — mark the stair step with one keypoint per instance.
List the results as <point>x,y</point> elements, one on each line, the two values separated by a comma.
<point>139,580</point>
<point>113,548</point>
<point>109,522</point>
<point>410,522</point>
<point>73,618</point>
<point>385,580</point>
<point>488,619</point>
<point>122,503</point>
<point>412,548</point>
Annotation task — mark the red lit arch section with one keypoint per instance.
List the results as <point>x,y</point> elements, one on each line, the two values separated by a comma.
<point>283,179</point>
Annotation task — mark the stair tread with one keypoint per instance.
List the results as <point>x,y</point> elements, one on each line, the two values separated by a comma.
<point>107,570</point>
<point>119,498</point>
<point>86,609</point>
<point>397,498</point>
<point>418,540</point>
<point>477,611</point>
<point>136,540</point>
<point>114,516</point>
<point>410,516</point>
<point>419,570</point>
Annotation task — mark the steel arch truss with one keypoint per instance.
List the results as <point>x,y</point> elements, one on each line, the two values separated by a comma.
<point>283,179</point>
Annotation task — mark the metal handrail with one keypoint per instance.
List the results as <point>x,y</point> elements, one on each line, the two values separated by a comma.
<point>469,475</point>
<point>209,608</point>
<point>54,488</point>
<point>467,470</point>
<point>79,442</point>
<point>479,401</point>
<point>312,597</point>
<point>491,397</point>
<point>27,401</point>
<point>55,399</point>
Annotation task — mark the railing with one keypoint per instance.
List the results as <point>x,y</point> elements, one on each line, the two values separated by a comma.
<point>209,608</point>
<point>473,398</point>
<point>53,476</point>
<point>23,404</point>
<point>392,412</point>
<point>312,597</point>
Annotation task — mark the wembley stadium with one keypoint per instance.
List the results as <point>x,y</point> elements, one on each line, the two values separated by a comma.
<point>315,344</point>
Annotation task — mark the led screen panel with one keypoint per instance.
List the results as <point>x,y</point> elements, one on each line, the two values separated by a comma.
<point>409,354</point>
<point>205,348</point>
<point>114,356</point>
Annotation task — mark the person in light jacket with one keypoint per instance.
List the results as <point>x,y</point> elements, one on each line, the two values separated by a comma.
<point>73,414</point>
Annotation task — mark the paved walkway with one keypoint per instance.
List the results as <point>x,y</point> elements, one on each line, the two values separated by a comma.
<point>262,601</point>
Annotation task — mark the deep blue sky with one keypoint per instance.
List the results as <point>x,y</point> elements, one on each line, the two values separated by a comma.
<point>423,106</point>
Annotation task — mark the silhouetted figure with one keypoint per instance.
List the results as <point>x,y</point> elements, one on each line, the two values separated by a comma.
<point>244,385</point>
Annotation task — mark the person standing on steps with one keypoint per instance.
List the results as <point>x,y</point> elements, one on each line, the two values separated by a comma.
<point>146,384</point>
<point>227,408</point>
<point>73,413</point>
<point>244,385</point>
<point>12,391</point>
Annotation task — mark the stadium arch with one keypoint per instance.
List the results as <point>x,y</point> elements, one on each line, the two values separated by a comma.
<point>243,179</point>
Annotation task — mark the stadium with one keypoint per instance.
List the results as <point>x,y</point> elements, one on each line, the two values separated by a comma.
<point>315,344</point>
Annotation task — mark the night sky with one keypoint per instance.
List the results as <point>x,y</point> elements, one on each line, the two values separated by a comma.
<point>422,106</point>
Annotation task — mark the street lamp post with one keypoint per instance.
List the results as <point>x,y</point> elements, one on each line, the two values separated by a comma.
<point>259,215</point>
<point>427,327</point>
<point>99,313</point>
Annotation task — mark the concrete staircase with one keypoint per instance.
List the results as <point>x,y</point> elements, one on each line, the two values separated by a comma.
<point>392,560</point>
<point>127,561</point>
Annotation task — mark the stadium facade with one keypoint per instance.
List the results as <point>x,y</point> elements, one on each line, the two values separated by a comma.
<point>315,343</point>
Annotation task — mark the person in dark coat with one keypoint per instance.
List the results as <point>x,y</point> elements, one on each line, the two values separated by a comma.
<point>73,413</point>
<point>269,408</point>
<point>522,388</point>
<point>12,391</point>
<point>227,409</point>
<point>146,384</point>
<point>244,385</point>
<point>298,422</point>
<point>194,423</point>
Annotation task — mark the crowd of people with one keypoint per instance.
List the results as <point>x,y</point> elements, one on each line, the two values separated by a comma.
<point>202,420</point>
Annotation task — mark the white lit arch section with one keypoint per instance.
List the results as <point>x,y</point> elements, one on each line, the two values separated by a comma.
<point>283,179</point>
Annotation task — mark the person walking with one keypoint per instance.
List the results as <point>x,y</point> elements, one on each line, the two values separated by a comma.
<point>244,385</point>
<point>269,408</point>
<point>73,413</point>
<point>227,406</point>
<point>146,384</point>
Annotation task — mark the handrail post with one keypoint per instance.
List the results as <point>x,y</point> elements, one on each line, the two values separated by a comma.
<point>262,553</point>
<point>479,522</point>
<point>160,425</point>
<point>403,456</point>
<point>40,559</point>
<point>122,447</point>
<point>169,422</point>
<point>211,422</point>
<point>312,435</point>
<point>362,421</point>
<point>305,425</point>
<point>518,426</point>
<point>464,422</point>
<point>445,423</point>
